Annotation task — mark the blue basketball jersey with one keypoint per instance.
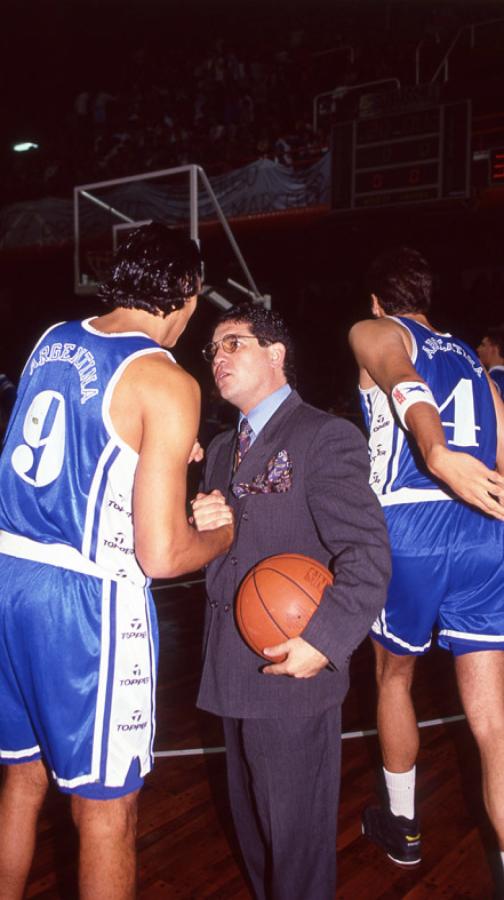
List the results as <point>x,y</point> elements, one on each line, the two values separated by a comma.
<point>66,477</point>
<point>460,387</point>
<point>497,375</point>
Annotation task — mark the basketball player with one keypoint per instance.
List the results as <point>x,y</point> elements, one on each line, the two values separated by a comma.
<point>491,354</point>
<point>437,459</point>
<point>297,480</point>
<point>92,505</point>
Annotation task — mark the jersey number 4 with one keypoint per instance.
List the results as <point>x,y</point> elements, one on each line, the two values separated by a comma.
<point>463,415</point>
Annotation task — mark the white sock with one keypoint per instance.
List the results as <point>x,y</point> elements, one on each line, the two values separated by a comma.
<point>401,791</point>
<point>502,858</point>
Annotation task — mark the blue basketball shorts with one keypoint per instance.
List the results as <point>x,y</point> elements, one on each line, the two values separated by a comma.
<point>78,659</point>
<point>448,573</point>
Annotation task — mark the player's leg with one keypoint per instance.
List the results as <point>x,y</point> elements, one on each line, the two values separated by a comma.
<point>394,827</point>
<point>24,782</point>
<point>480,677</point>
<point>22,793</point>
<point>402,632</point>
<point>397,726</point>
<point>107,859</point>
<point>472,626</point>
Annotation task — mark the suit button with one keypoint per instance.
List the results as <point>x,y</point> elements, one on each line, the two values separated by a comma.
<point>233,561</point>
<point>227,607</point>
<point>213,604</point>
<point>245,516</point>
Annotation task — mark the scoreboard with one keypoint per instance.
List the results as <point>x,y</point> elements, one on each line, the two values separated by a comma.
<point>414,156</point>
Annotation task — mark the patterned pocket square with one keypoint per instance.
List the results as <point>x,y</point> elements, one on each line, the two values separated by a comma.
<point>276,479</point>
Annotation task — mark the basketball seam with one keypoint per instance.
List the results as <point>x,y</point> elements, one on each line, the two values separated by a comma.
<point>263,604</point>
<point>243,628</point>
<point>288,578</point>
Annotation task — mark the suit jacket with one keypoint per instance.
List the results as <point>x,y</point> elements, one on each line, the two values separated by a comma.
<point>329,513</point>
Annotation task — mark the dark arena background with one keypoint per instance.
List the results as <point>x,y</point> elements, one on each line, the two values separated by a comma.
<point>373,123</point>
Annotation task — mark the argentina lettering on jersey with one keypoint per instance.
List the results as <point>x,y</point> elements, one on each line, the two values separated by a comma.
<point>463,397</point>
<point>66,477</point>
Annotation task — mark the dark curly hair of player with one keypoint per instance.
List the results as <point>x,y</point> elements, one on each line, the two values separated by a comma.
<point>269,327</point>
<point>402,281</point>
<point>156,268</point>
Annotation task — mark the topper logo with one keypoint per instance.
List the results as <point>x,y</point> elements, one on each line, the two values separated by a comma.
<point>137,630</point>
<point>135,725</point>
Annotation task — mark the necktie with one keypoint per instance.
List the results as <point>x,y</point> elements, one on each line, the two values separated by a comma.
<point>243,443</point>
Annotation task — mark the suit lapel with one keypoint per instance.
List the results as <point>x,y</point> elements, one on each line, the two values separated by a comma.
<point>222,471</point>
<point>266,443</point>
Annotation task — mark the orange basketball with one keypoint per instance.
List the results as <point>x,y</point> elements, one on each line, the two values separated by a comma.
<point>277,599</point>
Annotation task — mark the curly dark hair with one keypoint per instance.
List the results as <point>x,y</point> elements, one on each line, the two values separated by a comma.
<point>157,268</point>
<point>268,326</point>
<point>402,281</point>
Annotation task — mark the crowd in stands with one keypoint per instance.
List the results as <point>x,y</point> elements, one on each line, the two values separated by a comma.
<point>221,103</point>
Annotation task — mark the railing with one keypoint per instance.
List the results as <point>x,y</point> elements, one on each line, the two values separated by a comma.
<point>444,64</point>
<point>346,48</point>
<point>339,92</point>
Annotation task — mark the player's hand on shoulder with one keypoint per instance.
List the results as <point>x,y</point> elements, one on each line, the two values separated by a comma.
<point>210,511</point>
<point>302,660</point>
<point>469,479</point>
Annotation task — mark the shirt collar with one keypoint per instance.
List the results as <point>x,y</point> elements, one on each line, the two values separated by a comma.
<point>262,413</point>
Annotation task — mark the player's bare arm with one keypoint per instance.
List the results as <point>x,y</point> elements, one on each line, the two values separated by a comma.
<point>381,349</point>
<point>156,409</point>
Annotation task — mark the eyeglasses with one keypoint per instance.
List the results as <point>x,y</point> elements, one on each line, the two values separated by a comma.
<point>230,344</point>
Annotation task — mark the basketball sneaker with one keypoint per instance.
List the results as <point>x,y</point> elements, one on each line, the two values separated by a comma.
<point>398,836</point>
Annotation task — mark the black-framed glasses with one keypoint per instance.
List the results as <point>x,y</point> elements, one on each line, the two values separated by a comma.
<point>230,344</point>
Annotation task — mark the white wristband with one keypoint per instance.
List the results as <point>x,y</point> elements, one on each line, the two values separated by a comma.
<point>406,393</point>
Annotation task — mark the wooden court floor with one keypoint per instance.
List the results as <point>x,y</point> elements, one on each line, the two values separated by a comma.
<point>185,842</point>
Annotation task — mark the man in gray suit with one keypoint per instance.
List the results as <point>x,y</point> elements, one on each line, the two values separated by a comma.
<point>297,480</point>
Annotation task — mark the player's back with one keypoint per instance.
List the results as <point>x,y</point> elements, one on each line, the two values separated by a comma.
<point>66,477</point>
<point>459,385</point>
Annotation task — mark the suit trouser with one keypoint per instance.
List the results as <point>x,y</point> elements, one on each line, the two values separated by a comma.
<point>284,777</point>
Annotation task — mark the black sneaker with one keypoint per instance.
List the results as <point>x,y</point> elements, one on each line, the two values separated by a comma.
<point>398,836</point>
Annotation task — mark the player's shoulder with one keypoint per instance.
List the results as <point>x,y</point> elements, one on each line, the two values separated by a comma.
<point>157,376</point>
<point>368,331</point>
<point>382,323</point>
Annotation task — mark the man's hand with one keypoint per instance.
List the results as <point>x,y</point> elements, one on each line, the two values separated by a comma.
<point>303,660</point>
<point>197,453</point>
<point>469,479</point>
<point>211,511</point>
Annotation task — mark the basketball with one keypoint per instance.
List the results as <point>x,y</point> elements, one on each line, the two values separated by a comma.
<point>277,599</point>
